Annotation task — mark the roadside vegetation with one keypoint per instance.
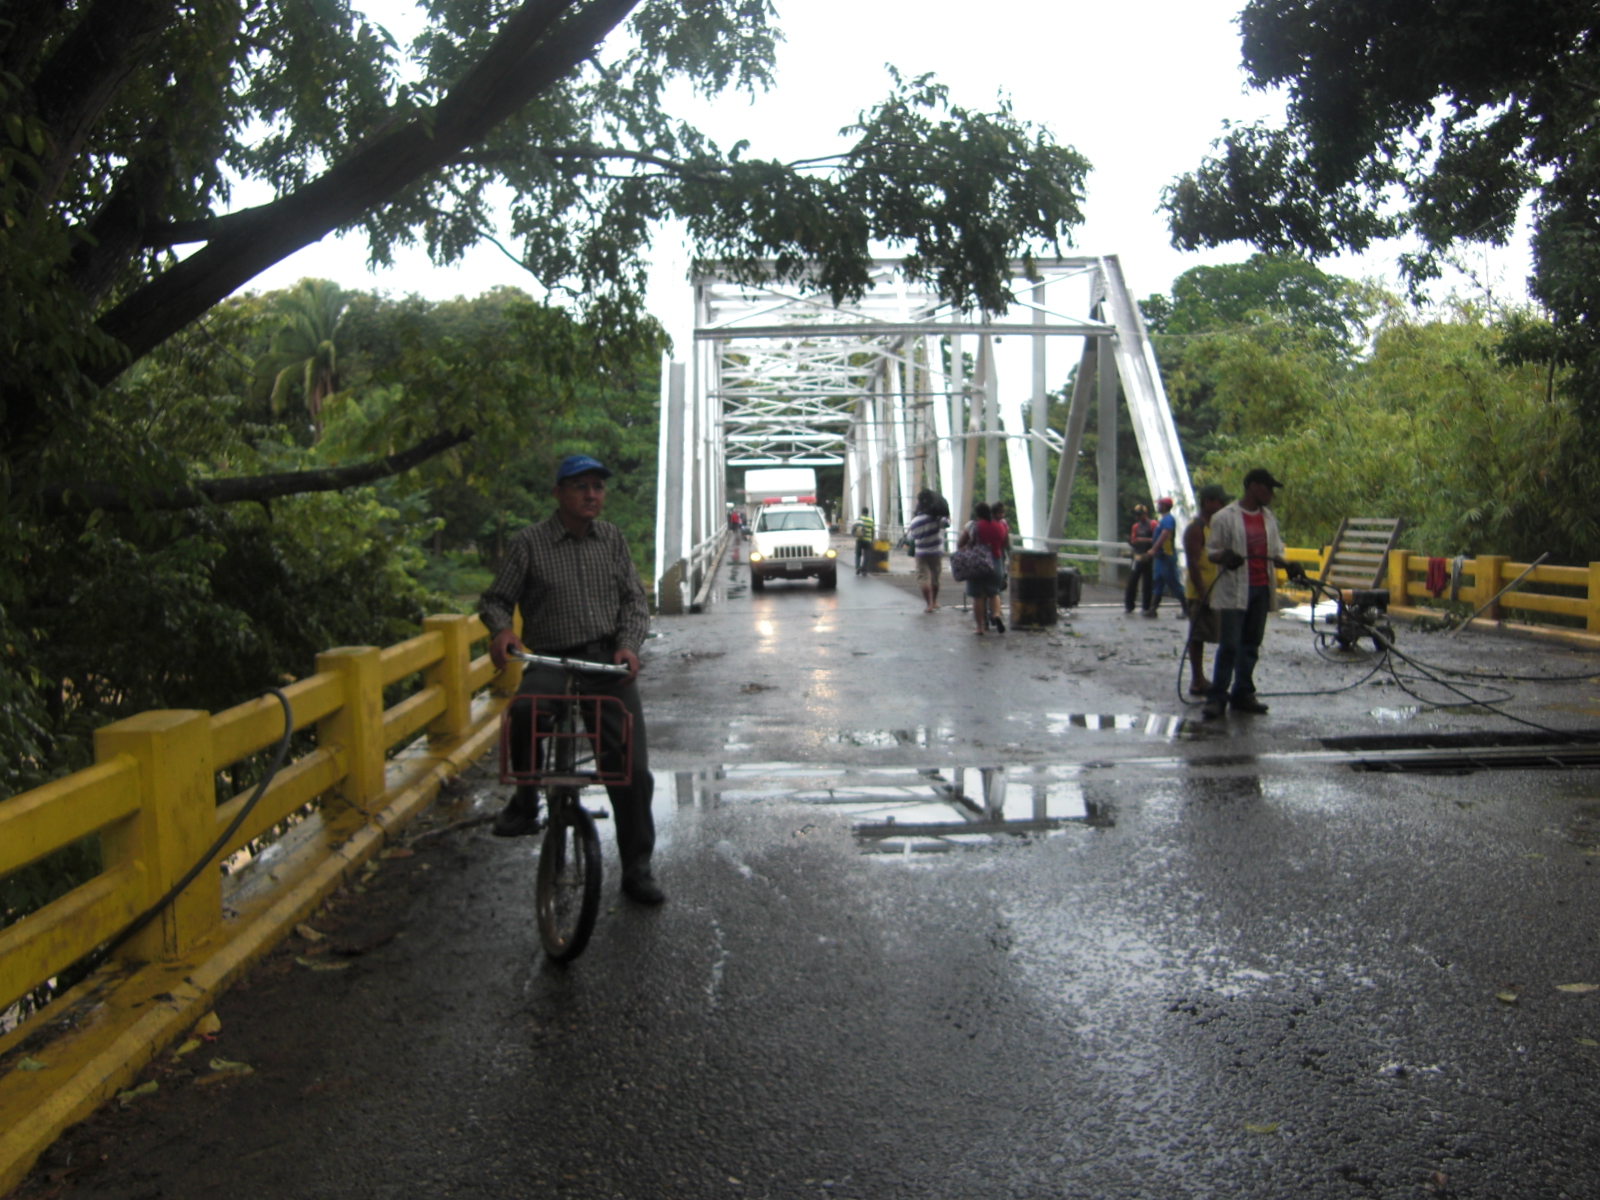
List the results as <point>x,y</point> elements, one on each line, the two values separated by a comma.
<point>1366,405</point>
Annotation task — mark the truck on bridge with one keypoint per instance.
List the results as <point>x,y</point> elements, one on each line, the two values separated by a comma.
<point>780,485</point>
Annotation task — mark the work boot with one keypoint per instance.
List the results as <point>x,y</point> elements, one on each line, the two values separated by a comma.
<point>520,816</point>
<point>642,888</point>
<point>1249,704</point>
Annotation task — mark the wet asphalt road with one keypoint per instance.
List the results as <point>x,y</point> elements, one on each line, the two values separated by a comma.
<point>1217,965</point>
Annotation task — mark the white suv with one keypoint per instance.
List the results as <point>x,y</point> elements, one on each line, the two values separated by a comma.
<point>790,541</point>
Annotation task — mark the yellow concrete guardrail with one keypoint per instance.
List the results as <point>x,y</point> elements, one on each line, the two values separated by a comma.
<point>151,800</point>
<point>1405,576</point>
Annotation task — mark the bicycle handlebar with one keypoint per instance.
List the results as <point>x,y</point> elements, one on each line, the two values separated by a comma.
<point>569,664</point>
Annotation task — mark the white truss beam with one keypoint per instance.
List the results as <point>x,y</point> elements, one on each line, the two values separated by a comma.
<point>882,386</point>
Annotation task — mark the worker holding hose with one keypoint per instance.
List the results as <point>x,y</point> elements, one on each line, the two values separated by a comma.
<point>1244,541</point>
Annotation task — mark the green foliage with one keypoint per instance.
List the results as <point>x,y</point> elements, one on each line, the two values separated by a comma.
<point>204,609</point>
<point>1331,312</point>
<point>965,193</point>
<point>536,383</point>
<point>455,573</point>
<point>122,141</point>
<point>1475,455</point>
<point>303,358</point>
<point>105,615</point>
<point>1438,120</point>
<point>1251,348</point>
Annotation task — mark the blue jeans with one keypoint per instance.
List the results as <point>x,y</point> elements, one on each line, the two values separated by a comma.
<point>1166,580</point>
<point>1242,631</point>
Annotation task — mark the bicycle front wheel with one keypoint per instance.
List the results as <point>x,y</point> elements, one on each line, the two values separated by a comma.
<point>567,896</point>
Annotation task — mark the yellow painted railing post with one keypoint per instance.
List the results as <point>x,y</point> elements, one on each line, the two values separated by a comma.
<point>509,680</point>
<point>176,824</point>
<point>1399,576</point>
<point>1486,570</point>
<point>1594,597</point>
<point>450,673</point>
<point>356,726</point>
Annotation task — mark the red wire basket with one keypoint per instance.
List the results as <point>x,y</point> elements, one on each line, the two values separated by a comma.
<point>586,760</point>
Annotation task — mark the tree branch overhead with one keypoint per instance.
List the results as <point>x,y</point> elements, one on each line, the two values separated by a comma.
<point>60,499</point>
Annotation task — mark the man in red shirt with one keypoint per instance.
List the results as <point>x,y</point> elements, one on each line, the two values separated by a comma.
<point>1244,541</point>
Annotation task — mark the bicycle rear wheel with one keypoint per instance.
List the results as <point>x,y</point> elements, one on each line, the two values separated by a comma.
<point>567,891</point>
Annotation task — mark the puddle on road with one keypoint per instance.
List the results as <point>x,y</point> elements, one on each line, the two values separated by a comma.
<point>1154,725</point>
<point>1150,725</point>
<point>907,810</point>
<point>1394,716</point>
<point>921,735</point>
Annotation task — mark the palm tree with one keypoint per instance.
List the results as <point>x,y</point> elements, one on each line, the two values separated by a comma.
<point>304,354</point>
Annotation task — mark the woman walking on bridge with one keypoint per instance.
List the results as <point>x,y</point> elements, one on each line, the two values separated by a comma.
<point>983,530</point>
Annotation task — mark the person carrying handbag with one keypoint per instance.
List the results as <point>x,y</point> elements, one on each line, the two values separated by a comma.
<point>989,536</point>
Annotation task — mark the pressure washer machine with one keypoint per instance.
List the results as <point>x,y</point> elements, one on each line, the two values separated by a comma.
<point>1357,613</point>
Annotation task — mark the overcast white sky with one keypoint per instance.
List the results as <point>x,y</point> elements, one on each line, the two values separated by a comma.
<point>1141,88</point>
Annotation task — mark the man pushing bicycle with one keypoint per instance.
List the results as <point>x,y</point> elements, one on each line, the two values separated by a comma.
<point>580,597</point>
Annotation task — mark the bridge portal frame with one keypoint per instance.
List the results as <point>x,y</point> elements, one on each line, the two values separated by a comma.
<point>770,375</point>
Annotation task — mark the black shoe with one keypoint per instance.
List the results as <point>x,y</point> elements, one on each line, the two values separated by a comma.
<point>1249,704</point>
<point>999,624</point>
<point>520,816</point>
<point>1213,709</point>
<point>643,889</point>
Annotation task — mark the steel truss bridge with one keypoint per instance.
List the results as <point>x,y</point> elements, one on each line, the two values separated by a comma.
<point>905,392</point>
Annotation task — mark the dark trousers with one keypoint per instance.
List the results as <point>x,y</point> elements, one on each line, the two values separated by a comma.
<point>1142,569</point>
<point>1239,648</point>
<point>630,802</point>
<point>863,553</point>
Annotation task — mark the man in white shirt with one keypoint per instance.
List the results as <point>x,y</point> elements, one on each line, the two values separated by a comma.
<point>1244,541</point>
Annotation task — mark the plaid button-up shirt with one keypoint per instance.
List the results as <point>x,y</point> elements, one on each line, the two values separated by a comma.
<point>572,590</point>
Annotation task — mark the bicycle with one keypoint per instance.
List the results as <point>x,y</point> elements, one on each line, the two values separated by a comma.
<point>565,757</point>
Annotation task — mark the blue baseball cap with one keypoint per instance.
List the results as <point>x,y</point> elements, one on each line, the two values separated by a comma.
<point>579,464</point>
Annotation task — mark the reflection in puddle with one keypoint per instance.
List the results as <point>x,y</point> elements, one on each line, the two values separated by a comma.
<point>922,735</point>
<point>1148,724</point>
<point>901,810</point>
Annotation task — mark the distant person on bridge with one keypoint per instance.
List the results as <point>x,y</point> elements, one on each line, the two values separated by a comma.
<point>983,530</point>
<point>1244,541</point>
<point>1141,536</point>
<point>1204,623</point>
<point>1163,555</point>
<point>862,531</point>
<point>1002,579</point>
<point>926,531</point>
<point>580,596</point>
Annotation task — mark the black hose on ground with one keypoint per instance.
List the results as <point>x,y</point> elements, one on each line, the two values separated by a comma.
<point>1385,660</point>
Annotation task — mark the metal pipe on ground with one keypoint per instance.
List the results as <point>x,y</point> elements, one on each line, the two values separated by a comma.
<point>1456,632</point>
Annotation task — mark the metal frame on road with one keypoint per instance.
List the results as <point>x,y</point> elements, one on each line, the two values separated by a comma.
<point>904,392</point>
